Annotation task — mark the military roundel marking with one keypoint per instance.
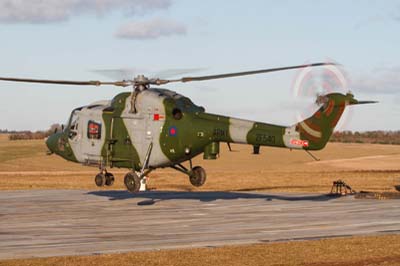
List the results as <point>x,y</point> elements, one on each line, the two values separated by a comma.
<point>173,131</point>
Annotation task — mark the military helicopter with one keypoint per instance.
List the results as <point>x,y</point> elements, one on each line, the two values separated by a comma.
<point>150,128</point>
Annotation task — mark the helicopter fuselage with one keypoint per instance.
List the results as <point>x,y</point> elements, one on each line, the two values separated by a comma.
<point>119,133</point>
<point>112,134</point>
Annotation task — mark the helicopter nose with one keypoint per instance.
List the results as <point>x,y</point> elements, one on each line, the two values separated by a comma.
<point>51,143</point>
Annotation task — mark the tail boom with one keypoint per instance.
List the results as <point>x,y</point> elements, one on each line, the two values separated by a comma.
<point>312,133</point>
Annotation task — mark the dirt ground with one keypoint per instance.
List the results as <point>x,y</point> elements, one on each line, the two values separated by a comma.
<point>25,165</point>
<point>360,251</point>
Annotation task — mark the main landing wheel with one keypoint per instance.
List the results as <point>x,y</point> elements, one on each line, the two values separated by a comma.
<point>100,180</point>
<point>109,179</point>
<point>198,176</point>
<point>132,182</point>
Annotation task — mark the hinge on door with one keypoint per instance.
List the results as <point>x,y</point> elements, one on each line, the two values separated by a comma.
<point>111,141</point>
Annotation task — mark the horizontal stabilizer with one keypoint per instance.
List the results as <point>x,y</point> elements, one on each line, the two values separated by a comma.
<point>364,102</point>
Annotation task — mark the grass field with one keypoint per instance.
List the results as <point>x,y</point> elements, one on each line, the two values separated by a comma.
<point>24,165</point>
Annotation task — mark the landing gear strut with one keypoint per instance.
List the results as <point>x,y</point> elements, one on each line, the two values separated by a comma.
<point>104,178</point>
<point>197,175</point>
<point>136,181</point>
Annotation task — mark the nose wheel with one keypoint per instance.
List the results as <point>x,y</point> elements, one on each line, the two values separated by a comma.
<point>109,179</point>
<point>104,179</point>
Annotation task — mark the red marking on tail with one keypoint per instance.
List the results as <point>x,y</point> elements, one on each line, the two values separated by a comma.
<point>312,125</point>
<point>328,111</point>
<point>341,107</point>
<point>299,142</point>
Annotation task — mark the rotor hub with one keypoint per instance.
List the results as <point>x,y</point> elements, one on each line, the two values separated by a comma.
<point>141,79</point>
<point>141,83</point>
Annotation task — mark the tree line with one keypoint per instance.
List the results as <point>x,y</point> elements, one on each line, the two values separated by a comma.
<point>374,137</point>
<point>30,135</point>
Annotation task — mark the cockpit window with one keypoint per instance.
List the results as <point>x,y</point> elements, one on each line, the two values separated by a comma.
<point>94,130</point>
<point>73,126</point>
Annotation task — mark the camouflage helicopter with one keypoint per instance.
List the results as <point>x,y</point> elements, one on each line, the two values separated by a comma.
<point>152,128</point>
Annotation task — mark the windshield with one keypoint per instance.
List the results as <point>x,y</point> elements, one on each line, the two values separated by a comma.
<point>73,125</point>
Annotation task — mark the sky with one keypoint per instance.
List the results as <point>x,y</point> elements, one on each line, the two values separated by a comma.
<point>74,39</point>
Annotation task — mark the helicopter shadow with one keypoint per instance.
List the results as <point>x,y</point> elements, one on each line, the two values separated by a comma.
<point>152,197</point>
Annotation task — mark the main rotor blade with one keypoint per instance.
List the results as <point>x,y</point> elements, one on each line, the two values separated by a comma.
<point>158,81</point>
<point>246,73</point>
<point>67,82</point>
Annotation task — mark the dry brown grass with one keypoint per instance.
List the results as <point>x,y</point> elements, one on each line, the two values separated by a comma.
<point>360,251</point>
<point>24,165</point>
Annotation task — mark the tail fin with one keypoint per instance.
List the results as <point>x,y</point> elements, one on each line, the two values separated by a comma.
<point>317,129</point>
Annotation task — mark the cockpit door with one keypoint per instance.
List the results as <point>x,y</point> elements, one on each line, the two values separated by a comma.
<point>93,139</point>
<point>75,132</point>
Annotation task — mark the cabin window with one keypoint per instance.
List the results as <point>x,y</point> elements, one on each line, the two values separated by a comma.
<point>94,130</point>
<point>177,114</point>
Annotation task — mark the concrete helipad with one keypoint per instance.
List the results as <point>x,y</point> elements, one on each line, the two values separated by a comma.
<point>42,223</point>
